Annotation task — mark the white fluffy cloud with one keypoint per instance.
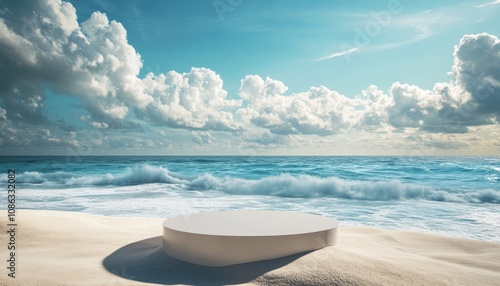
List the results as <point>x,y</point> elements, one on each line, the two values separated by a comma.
<point>95,62</point>
<point>477,71</point>
<point>427,110</point>
<point>471,99</point>
<point>201,137</point>
<point>317,111</point>
<point>193,100</point>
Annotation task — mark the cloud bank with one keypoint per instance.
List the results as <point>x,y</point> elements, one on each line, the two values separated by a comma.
<point>44,47</point>
<point>471,99</point>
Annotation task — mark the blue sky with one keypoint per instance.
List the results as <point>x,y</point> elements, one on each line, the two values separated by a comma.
<point>285,39</point>
<point>285,77</point>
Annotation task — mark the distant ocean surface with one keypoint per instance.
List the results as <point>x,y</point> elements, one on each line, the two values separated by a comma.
<point>454,196</point>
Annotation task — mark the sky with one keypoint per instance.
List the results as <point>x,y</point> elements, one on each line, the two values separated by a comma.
<point>240,77</point>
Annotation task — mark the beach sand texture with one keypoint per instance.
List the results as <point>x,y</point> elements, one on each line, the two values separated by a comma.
<point>68,248</point>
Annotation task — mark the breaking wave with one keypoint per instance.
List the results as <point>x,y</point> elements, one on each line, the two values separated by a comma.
<point>137,175</point>
<point>284,185</point>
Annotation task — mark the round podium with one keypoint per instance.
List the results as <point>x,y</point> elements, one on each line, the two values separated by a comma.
<point>234,237</point>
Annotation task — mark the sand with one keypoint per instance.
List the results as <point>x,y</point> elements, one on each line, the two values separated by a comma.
<point>66,248</point>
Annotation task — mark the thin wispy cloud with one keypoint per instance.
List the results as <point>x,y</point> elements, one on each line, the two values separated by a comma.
<point>423,32</point>
<point>496,2</point>
<point>412,28</point>
<point>339,54</point>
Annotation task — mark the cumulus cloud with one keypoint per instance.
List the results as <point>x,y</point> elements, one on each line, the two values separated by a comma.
<point>472,98</point>
<point>201,137</point>
<point>193,100</point>
<point>428,110</point>
<point>477,70</point>
<point>374,113</point>
<point>318,111</point>
<point>42,44</point>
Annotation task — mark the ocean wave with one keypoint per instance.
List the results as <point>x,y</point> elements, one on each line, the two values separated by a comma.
<point>137,175</point>
<point>284,185</point>
<point>306,186</point>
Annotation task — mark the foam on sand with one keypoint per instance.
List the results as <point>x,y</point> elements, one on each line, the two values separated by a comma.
<point>63,248</point>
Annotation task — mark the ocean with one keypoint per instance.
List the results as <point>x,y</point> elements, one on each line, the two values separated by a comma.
<point>454,196</point>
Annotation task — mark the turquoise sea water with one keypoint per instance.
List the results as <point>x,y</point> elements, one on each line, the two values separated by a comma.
<point>456,196</point>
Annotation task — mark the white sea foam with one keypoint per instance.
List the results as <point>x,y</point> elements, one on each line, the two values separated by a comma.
<point>423,194</point>
<point>283,185</point>
<point>137,175</point>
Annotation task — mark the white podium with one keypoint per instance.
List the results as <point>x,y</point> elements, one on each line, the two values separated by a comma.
<point>234,237</point>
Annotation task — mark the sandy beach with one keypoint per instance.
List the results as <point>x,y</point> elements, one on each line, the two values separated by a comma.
<point>68,248</point>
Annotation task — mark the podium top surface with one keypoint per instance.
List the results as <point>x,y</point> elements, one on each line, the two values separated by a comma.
<point>250,223</point>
